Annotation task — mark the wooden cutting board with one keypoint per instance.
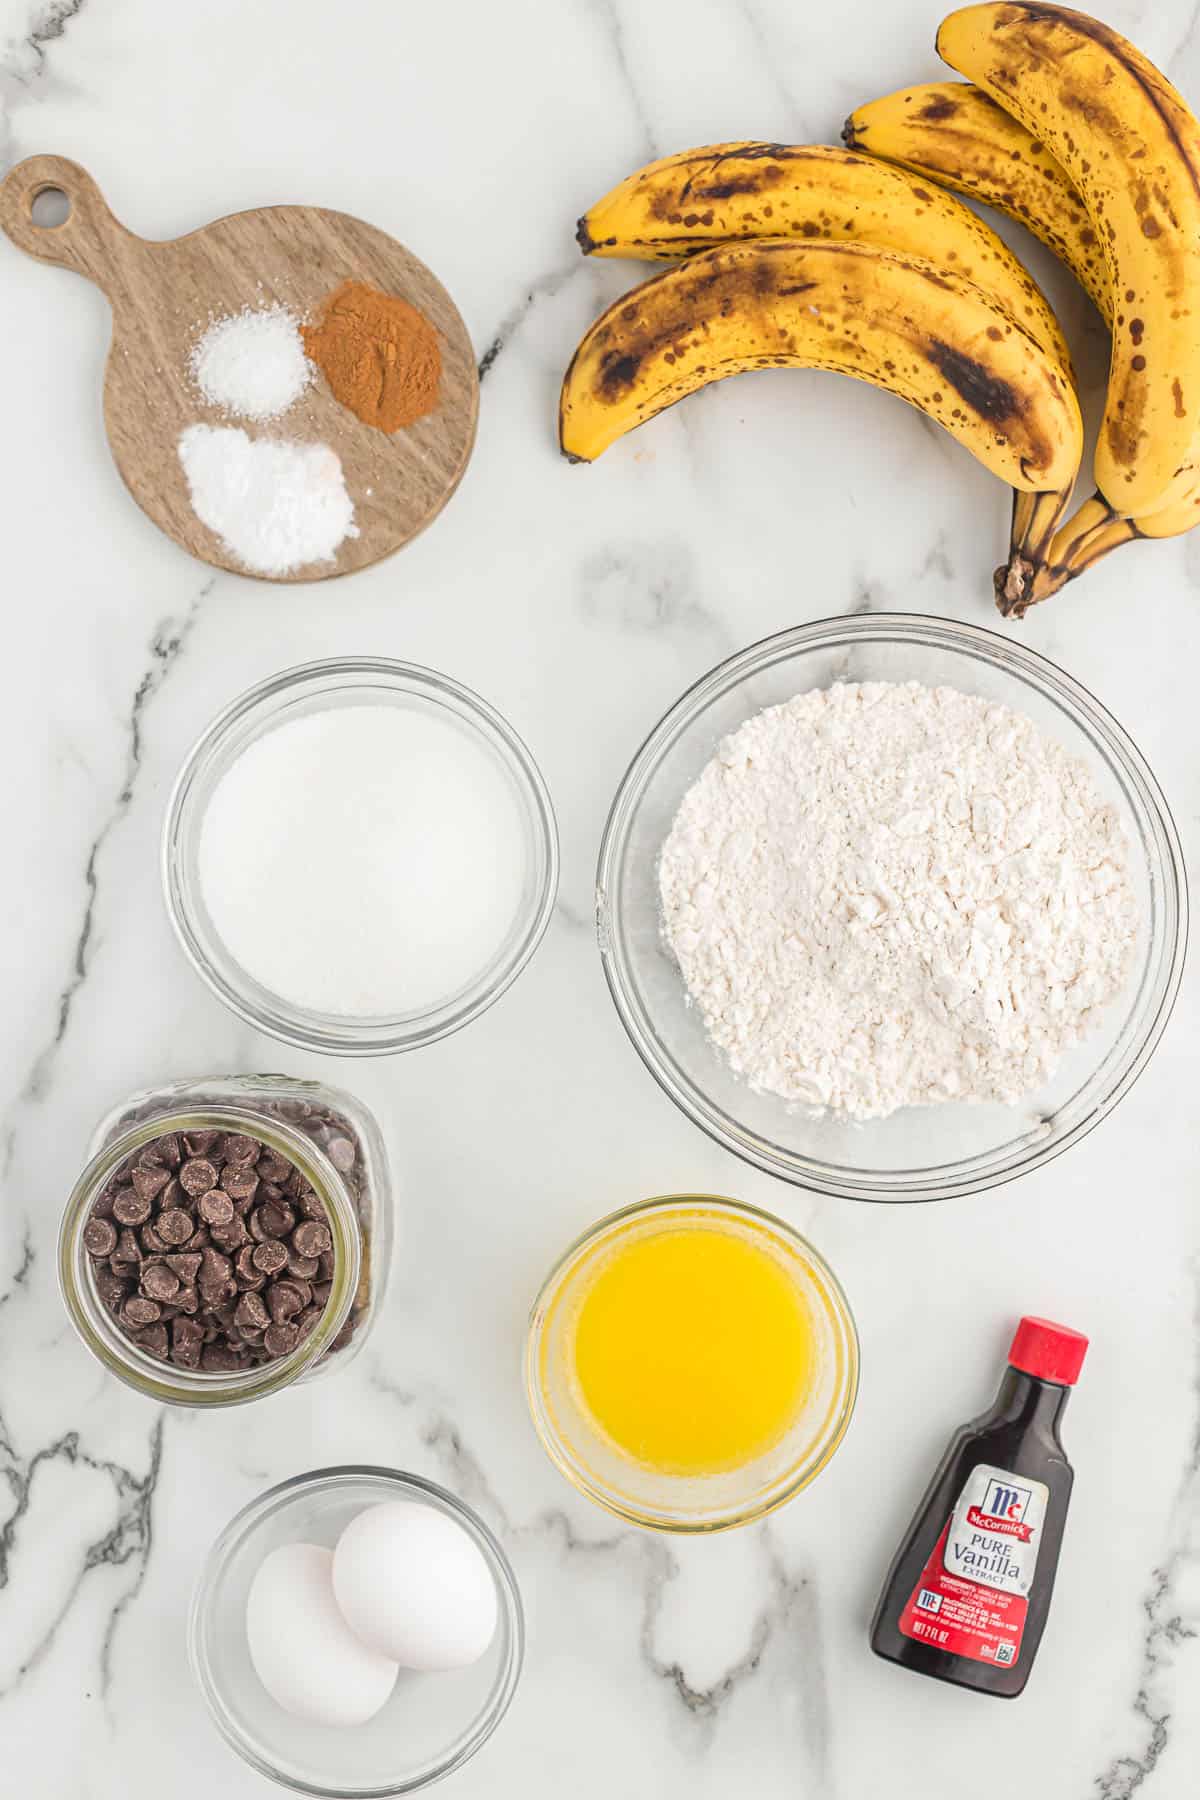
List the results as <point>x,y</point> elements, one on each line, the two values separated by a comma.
<point>163,296</point>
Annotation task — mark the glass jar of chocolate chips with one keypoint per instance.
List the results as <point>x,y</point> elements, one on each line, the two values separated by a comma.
<point>228,1237</point>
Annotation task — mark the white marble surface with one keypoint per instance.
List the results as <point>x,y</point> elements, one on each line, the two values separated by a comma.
<point>580,602</point>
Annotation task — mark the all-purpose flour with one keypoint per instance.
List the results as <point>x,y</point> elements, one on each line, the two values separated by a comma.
<point>892,895</point>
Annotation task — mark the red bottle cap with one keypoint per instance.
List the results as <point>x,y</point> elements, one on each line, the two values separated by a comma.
<point>1051,1352</point>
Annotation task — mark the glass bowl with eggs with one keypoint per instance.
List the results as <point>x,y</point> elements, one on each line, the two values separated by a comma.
<point>892,907</point>
<point>356,1633</point>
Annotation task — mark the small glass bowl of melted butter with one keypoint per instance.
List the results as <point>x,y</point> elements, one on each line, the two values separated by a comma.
<point>691,1363</point>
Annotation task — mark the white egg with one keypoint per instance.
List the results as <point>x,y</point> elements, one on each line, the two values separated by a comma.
<point>303,1651</point>
<point>414,1585</point>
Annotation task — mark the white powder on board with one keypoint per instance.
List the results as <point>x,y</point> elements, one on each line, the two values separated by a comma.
<point>887,895</point>
<point>363,861</point>
<point>275,505</point>
<point>252,364</point>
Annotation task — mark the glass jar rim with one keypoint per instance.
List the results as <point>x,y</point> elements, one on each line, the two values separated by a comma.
<point>166,1381</point>
<point>798,1478</point>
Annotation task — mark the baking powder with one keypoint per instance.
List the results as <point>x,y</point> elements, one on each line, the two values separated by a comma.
<point>886,895</point>
<point>276,506</point>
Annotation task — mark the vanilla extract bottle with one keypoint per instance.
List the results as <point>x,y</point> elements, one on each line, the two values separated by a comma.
<point>968,1593</point>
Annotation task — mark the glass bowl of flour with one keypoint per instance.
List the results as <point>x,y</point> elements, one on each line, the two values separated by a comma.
<point>359,856</point>
<point>892,907</point>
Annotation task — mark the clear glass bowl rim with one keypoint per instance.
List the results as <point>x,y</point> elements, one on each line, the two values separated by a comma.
<point>803,1474</point>
<point>377,1037</point>
<point>413,1486</point>
<point>1091,717</point>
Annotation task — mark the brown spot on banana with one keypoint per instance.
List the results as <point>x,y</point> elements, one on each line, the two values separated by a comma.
<point>993,399</point>
<point>938,110</point>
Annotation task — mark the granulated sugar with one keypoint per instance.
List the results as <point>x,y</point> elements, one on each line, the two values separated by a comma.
<point>252,364</point>
<point>276,506</point>
<point>893,895</point>
<point>363,861</point>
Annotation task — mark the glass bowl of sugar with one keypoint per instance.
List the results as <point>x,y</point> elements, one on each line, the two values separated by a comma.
<point>859,903</point>
<point>359,856</point>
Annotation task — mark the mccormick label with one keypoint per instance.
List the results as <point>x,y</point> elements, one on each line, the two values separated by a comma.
<point>973,1594</point>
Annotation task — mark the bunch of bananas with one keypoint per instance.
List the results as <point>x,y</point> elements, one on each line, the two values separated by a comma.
<point>857,260</point>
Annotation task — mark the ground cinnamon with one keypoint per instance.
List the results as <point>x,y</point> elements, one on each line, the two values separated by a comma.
<point>380,356</point>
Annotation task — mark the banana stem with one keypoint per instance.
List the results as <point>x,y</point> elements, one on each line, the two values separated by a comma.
<point>1035,518</point>
<point>1092,531</point>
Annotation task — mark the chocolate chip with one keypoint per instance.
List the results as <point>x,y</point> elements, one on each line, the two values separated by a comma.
<point>111,1289</point>
<point>310,1206</point>
<point>239,1180</point>
<point>281,1340</point>
<point>154,1341</point>
<point>321,1292</point>
<point>137,1312</point>
<point>311,1238</point>
<point>251,1314</point>
<point>220,1359</point>
<point>303,1267</point>
<point>239,1148</point>
<point>188,1300</point>
<point>272,1168</point>
<point>186,1265</point>
<point>172,1195</point>
<point>198,1176</point>
<point>275,1219</point>
<point>153,1243</point>
<point>230,1237</point>
<point>199,1240</point>
<point>168,1150</point>
<point>341,1153</point>
<point>270,1257</point>
<point>100,1237</point>
<point>308,1319</point>
<point>199,1143</point>
<point>149,1180</point>
<point>214,1267</point>
<point>103,1207</point>
<point>186,1340</point>
<point>215,1208</point>
<point>325,1261</point>
<point>159,1282</point>
<point>243,1263</point>
<point>284,1300</point>
<point>128,1249</point>
<point>175,1227</point>
<point>130,1207</point>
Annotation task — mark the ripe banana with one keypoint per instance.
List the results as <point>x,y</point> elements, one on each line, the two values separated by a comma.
<point>1093,531</point>
<point>725,192</point>
<point>1132,148</point>
<point>934,339</point>
<point>953,133</point>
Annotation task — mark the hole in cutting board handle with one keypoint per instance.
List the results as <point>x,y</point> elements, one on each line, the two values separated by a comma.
<point>49,208</point>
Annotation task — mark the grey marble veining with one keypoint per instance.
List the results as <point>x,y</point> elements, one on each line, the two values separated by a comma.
<point>581,602</point>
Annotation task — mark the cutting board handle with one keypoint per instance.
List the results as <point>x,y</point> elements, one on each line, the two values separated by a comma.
<point>89,240</point>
